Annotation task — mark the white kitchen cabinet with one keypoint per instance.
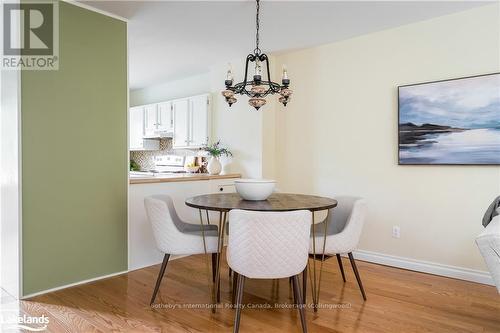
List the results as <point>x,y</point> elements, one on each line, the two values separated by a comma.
<point>165,120</point>
<point>191,122</point>
<point>150,120</point>
<point>186,120</point>
<point>181,123</point>
<point>136,132</point>
<point>222,186</point>
<point>198,120</point>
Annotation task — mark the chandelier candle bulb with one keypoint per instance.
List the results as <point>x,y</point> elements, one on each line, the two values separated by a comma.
<point>229,75</point>
<point>284,78</point>
<point>257,89</point>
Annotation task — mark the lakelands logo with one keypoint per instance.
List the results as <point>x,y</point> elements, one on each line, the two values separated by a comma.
<point>10,320</point>
<point>30,35</point>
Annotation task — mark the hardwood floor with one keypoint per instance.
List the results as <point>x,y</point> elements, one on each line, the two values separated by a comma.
<point>398,301</point>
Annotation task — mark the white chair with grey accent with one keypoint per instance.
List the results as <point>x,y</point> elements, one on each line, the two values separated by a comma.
<point>343,232</point>
<point>176,237</point>
<point>488,243</point>
<point>268,245</point>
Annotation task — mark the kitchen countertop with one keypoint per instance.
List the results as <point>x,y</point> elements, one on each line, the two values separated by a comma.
<point>179,177</point>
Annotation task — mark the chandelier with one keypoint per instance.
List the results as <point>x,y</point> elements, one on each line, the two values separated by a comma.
<point>257,89</point>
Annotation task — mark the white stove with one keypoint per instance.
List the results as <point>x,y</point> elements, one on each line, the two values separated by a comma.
<point>166,164</point>
<point>169,164</point>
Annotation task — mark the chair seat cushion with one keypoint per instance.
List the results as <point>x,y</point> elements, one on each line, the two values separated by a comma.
<point>196,229</point>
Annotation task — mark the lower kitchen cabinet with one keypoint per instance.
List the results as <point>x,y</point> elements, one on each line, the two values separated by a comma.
<point>141,244</point>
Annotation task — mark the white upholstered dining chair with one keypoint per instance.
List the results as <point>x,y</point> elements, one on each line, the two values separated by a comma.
<point>268,245</point>
<point>489,246</point>
<point>343,232</point>
<point>176,237</point>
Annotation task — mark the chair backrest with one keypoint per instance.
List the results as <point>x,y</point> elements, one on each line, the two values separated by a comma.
<point>268,245</point>
<point>341,214</point>
<point>353,209</point>
<point>164,221</point>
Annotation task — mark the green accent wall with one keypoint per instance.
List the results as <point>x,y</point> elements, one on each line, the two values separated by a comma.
<point>74,155</point>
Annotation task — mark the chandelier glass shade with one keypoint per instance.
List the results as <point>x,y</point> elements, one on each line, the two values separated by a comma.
<point>257,88</point>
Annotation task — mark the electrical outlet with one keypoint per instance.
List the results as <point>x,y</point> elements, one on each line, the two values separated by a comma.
<point>396,231</point>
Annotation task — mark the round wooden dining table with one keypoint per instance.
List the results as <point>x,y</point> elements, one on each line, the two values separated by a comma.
<point>277,202</point>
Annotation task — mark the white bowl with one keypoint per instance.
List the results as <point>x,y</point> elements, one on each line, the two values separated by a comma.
<point>254,189</point>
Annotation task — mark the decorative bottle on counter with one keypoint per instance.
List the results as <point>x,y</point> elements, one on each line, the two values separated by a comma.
<point>214,167</point>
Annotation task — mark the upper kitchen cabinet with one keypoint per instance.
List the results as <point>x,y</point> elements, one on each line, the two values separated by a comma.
<point>191,121</point>
<point>198,108</point>
<point>165,120</point>
<point>186,120</point>
<point>137,121</point>
<point>150,120</point>
<point>158,120</point>
<point>181,123</point>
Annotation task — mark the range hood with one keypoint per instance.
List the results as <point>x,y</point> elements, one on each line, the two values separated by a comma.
<point>160,135</point>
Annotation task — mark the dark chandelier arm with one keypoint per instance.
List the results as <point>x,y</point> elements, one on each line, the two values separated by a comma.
<point>263,57</point>
<point>250,57</point>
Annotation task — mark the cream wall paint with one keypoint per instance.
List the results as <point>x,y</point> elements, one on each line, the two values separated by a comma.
<point>237,126</point>
<point>339,134</point>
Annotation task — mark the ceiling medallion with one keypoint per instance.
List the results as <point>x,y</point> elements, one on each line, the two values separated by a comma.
<point>257,89</point>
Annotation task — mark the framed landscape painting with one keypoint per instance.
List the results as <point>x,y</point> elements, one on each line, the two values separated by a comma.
<point>450,122</point>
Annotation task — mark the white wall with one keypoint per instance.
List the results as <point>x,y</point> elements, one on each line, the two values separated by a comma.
<point>339,134</point>
<point>10,213</point>
<point>190,86</point>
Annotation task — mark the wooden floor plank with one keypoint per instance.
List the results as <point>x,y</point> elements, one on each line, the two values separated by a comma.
<point>398,301</point>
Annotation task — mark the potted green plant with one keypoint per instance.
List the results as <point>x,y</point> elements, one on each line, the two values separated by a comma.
<point>215,151</point>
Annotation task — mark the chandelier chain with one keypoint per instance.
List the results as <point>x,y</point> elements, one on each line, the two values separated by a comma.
<point>257,25</point>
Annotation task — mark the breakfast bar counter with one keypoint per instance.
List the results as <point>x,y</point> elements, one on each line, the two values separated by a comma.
<point>179,177</point>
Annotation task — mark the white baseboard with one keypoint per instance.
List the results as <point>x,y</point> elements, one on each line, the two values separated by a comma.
<point>426,267</point>
<point>73,284</point>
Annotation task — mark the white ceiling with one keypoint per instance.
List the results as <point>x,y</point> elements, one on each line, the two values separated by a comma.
<point>171,40</point>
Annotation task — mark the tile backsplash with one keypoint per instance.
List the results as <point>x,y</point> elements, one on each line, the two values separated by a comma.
<point>145,158</point>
